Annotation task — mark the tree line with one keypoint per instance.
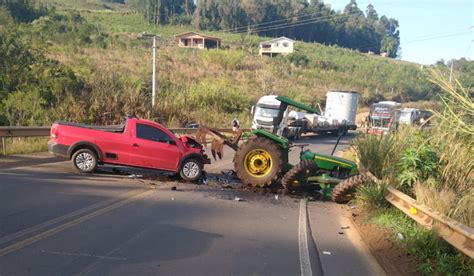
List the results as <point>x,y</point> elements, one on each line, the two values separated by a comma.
<point>310,21</point>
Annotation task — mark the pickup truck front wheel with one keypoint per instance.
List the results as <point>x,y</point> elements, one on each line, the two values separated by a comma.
<point>191,170</point>
<point>84,160</point>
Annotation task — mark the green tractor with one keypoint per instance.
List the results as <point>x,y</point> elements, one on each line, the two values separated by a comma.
<point>263,158</point>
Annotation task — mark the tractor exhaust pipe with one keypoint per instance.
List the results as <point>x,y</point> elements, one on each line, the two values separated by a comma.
<point>337,143</point>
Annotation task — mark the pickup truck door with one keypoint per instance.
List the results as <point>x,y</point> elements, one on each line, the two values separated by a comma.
<point>153,148</point>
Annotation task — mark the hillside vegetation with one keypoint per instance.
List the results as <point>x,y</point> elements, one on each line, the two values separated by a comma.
<point>83,61</point>
<point>312,21</point>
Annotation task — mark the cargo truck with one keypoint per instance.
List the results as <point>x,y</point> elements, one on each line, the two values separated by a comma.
<point>337,118</point>
<point>383,117</point>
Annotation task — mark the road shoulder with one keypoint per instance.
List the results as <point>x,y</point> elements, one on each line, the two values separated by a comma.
<point>340,247</point>
<point>23,160</point>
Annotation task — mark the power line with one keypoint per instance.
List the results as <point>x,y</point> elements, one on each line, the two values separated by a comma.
<point>437,37</point>
<point>299,23</point>
<point>335,14</point>
<point>441,33</point>
<point>419,39</point>
<point>269,22</point>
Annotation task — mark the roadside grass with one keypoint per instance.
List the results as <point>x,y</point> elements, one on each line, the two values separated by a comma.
<point>371,196</point>
<point>81,4</point>
<point>435,166</point>
<point>211,87</point>
<point>25,145</point>
<point>376,154</point>
<point>350,154</point>
<point>435,256</point>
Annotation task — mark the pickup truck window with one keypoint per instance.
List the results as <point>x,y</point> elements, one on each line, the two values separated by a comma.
<point>152,133</point>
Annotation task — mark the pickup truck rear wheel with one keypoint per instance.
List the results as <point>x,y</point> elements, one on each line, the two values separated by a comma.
<point>191,169</point>
<point>85,160</point>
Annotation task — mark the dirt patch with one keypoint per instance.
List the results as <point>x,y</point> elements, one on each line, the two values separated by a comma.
<point>361,117</point>
<point>387,251</point>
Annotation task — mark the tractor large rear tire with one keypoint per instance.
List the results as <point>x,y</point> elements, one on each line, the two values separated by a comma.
<point>344,191</point>
<point>298,175</point>
<point>258,162</point>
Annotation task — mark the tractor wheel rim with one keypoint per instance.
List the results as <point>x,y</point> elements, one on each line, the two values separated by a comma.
<point>258,162</point>
<point>191,169</point>
<point>85,161</point>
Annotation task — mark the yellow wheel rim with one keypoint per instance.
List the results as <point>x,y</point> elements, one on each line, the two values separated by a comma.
<point>296,184</point>
<point>258,162</point>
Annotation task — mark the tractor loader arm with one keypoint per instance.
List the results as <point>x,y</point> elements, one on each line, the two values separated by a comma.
<point>218,140</point>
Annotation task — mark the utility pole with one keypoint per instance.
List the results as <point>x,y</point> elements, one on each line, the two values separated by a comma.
<point>451,74</point>
<point>153,84</point>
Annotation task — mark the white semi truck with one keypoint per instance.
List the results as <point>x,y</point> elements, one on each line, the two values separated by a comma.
<point>337,118</point>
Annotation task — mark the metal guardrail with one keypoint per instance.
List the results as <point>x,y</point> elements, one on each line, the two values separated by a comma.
<point>24,131</point>
<point>457,234</point>
<point>44,131</point>
<point>9,131</point>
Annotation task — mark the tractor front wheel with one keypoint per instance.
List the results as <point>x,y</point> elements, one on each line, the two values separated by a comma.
<point>299,174</point>
<point>258,162</point>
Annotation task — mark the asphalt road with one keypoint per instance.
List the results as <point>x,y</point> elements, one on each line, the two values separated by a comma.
<point>54,221</point>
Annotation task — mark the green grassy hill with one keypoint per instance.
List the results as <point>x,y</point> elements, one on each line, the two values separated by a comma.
<point>99,43</point>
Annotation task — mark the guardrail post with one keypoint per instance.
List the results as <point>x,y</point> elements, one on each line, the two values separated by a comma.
<point>4,146</point>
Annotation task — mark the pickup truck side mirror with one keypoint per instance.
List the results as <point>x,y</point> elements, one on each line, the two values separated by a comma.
<point>171,142</point>
<point>252,109</point>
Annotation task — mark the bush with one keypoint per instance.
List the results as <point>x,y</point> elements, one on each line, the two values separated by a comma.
<point>298,59</point>
<point>378,154</point>
<point>371,196</point>
<point>69,28</point>
<point>417,164</point>
<point>435,256</point>
<point>227,60</point>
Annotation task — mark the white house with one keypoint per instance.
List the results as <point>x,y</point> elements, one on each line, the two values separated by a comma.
<point>281,45</point>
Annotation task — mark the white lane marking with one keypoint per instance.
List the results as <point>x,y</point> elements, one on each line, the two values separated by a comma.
<point>17,246</point>
<point>305,261</point>
<point>30,166</point>
<point>71,215</point>
<point>83,255</point>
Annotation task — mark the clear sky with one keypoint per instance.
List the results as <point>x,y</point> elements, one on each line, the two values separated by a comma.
<point>430,30</point>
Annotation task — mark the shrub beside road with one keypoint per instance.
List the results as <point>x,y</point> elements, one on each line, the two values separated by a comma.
<point>435,167</point>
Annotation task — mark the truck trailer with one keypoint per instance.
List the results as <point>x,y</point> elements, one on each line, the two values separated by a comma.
<point>337,118</point>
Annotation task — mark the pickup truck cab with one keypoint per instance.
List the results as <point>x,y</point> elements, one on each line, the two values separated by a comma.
<point>137,143</point>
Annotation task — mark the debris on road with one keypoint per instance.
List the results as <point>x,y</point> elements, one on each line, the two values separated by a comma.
<point>327,253</point>
<point>222,180</point>
<point>229,172</point>
<point>276,197</point>
<point>345,227</point>
<point>354,206</point>
<point>203,179</point>
<point>238,199</point>
<point>340,233</point>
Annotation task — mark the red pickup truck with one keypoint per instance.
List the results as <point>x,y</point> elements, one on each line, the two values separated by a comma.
<point>138,143</point>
